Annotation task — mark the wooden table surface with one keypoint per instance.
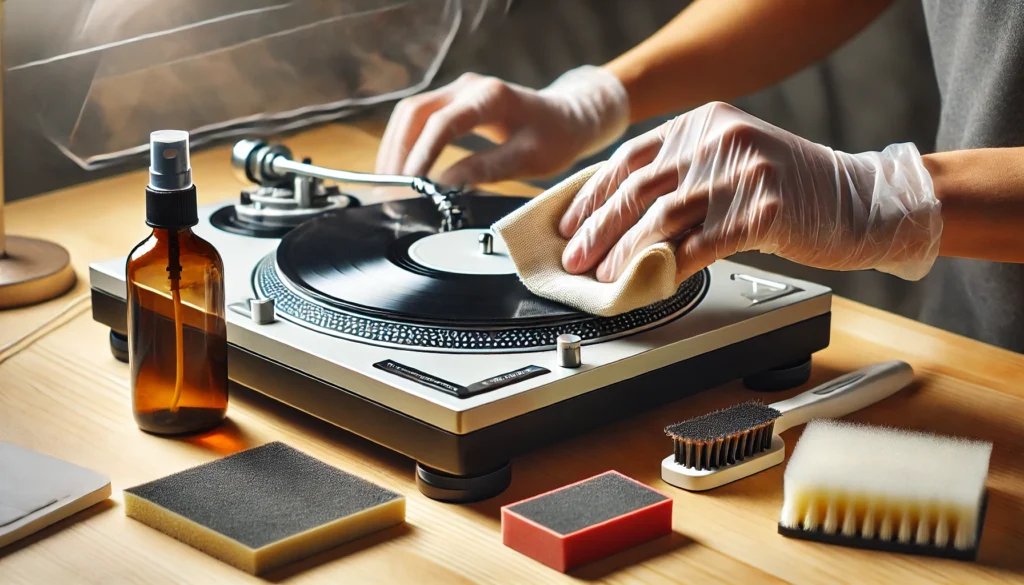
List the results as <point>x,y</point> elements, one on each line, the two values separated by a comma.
<point>64,395</point>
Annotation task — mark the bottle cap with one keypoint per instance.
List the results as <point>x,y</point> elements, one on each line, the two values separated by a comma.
<point>169,166</point>
<point>170,195</point>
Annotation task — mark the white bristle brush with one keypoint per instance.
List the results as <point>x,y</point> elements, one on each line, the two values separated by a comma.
<point>730,444</point>
<point>886,489</point>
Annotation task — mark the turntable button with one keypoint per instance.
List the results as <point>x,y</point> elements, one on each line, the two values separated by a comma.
<point>568,348</point>
<point>262,311</point>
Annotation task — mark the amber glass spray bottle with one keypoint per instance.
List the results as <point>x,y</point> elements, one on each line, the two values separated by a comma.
<point>177,340</point>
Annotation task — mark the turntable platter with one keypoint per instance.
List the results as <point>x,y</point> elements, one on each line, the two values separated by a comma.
<point>385,274</point>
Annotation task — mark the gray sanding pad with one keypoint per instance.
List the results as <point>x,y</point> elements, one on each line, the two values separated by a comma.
<point>37,490</point>
<point>588,503</point>
<point>265,507</point>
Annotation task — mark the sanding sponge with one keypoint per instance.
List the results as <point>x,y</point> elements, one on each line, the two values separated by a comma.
<point>586,521</point>
<point>265,507</point>
<point>886,489</point>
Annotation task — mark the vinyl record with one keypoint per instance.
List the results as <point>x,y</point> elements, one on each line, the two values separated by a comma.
<point>375,260</point>
<point>387,275</point>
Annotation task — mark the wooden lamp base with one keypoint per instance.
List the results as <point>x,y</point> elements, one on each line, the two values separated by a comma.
<point>33,271</point>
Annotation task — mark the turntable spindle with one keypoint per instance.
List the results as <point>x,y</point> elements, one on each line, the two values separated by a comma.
<point>486,240</point>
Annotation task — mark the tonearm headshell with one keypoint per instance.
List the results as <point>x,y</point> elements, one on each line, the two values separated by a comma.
<point>289,192</point>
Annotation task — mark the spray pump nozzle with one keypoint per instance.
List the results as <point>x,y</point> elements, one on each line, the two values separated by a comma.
<point>169,166</point>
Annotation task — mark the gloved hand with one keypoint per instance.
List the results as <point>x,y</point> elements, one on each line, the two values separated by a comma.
<point>719,181</point>
<point>539,132</point>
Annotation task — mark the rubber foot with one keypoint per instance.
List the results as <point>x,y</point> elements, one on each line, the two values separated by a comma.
<point>461,489</point>
<point>781,378</point>
<point>119,346</point>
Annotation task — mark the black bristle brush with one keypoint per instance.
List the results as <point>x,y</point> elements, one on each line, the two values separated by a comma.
<point>720,447</point>
<point>724,437</point>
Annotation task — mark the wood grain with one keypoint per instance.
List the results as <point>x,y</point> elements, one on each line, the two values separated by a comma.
<point>65,395</point>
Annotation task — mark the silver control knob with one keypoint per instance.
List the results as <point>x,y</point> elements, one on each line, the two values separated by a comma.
<point>568,348</point>
<point>486,240</point>
<point>262,311</point>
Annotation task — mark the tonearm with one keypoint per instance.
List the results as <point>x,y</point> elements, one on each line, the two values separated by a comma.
<point>291,191</point>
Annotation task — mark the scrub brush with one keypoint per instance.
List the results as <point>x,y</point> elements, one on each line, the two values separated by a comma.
<point>730,444</point>
<point>886,489</point>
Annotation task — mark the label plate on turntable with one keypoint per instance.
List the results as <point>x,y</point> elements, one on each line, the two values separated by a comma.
<point>431,381</point>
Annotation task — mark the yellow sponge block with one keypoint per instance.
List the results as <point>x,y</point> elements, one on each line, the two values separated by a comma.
<point>265,507</point>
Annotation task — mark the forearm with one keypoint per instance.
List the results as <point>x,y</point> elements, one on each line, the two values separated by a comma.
<point>724,49</point>
<point>982,196</point>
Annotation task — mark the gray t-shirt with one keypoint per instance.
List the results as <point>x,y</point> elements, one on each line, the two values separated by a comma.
<point>978,47</point>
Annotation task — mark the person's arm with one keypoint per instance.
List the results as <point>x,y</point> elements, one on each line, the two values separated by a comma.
<point>714,50</point>
<point>982,196</point>
<point>718,50</point>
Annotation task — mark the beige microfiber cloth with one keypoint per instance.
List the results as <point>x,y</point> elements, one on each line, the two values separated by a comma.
<point>531,235</point>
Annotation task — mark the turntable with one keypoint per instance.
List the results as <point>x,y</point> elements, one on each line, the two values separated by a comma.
<point>403,321</point>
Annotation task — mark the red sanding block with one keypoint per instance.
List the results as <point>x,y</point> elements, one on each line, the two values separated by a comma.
<point>585,521</point>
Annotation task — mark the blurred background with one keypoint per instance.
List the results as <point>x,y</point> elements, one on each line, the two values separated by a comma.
<point>87,79</point>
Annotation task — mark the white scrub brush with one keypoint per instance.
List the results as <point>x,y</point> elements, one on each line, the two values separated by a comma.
<point>886,489</point>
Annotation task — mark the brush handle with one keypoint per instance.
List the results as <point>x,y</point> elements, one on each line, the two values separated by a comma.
<point>845,394</point>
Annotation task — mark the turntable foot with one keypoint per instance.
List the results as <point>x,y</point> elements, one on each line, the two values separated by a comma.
<point>119,346</point>
<point>782,378</point>
<point>462,489</point>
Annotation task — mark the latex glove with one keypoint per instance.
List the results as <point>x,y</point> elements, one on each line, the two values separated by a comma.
<point>540,132</point>
<point>719,181</point>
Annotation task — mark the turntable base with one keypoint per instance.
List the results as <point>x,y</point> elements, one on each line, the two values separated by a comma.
<point>451,362</point>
